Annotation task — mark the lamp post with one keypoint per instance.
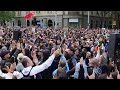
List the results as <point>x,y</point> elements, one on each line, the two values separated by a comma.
<point>88,19</point>
<point>55,13</point>
<point>55,19</point>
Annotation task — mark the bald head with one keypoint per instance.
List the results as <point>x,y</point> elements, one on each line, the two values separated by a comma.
<point>26,61</point>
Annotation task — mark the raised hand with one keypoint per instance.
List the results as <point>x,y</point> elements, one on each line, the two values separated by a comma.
<point>11,69</point>
<point>57,52</point>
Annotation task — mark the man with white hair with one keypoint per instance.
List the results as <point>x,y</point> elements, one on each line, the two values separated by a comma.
<point>95,65</point>
<point>19,66</point>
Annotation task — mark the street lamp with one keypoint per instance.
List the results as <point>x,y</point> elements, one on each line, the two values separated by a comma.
<point>88,19</point>
<point>55,13</point>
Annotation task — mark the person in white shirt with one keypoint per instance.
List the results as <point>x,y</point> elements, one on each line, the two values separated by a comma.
<point>32,70</point>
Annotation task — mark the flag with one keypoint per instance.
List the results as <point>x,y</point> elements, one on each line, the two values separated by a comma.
<point>29,15</point>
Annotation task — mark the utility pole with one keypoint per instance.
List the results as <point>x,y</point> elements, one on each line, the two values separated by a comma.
<point>88,19</point>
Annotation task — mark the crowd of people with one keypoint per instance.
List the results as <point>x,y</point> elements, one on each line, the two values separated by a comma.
<point>62,53</point>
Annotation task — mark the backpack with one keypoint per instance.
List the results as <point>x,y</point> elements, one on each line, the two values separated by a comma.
<point>28,76</point>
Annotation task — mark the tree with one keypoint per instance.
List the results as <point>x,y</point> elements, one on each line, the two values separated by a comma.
<point>6,16</point>
<point>103,15</point>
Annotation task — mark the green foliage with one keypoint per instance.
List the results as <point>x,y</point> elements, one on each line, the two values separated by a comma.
<point>6,15</point>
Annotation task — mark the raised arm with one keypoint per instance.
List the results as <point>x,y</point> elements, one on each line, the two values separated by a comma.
<point>45,65</point>
<point>17,50</point>
<point>35,59</point>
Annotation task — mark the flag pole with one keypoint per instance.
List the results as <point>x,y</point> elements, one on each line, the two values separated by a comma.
<point>26,22</point>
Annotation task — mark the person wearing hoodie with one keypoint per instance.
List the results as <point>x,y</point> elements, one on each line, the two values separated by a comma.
<point>30,70</point>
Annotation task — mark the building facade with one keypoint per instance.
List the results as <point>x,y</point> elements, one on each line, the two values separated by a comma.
<point>77,19</point>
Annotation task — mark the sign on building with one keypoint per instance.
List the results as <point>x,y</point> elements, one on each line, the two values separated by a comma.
<point>73,20</point>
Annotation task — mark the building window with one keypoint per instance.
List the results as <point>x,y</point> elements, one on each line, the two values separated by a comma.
<point>27,12</point>
<point>19,13</point>
<point>37,12</point>
<point>19,23</point>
